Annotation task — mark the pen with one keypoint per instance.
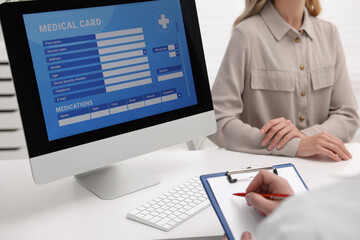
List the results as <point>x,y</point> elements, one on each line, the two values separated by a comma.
<point>267,195</point>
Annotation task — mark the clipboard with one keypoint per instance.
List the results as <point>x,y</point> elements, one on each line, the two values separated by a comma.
<point>234,214</point>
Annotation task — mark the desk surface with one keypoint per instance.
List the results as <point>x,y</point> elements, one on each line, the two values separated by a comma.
<point>65,210</point>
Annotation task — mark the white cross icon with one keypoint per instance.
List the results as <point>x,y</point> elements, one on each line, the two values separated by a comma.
<point>163,21</point>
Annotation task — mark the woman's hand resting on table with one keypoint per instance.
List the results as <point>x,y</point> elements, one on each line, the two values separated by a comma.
<point>324,144</point>
<point>280,131</point>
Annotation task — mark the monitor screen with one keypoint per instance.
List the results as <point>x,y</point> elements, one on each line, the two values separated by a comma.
<point>101,66</point>
<point>91,70</point>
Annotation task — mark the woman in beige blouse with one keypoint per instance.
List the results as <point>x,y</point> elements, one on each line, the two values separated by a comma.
<point>283,87</point>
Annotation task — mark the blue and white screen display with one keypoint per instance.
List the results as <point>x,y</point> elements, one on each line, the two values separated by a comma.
<point>101,66</point>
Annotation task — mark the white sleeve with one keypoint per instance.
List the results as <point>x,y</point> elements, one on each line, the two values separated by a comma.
<point>328,213</point>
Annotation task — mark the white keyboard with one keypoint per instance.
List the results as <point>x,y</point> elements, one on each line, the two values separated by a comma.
<point>173,207</point>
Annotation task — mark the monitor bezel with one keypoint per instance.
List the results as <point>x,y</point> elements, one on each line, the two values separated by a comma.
<point>26,87</point>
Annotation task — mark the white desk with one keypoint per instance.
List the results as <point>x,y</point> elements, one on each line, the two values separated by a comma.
<point>65,210</point>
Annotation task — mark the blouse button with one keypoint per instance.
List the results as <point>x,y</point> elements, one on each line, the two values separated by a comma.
<point>297,40</point>
<point>301,31</point>
<point>303,93</point>
<point>301,118</point>
<point>302,67</point>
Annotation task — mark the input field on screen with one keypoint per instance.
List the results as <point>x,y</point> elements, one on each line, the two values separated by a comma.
<point>127,77</point>
<point>119,56</point>
<point>72,120</point>
<point>124,63</point>
<point>169,97</point>
<point>170,76</point>
<point>116,41</point>
<point>119,33</point>
<point>126,70</point>
<point>121,48</point>
<point>128,85</point>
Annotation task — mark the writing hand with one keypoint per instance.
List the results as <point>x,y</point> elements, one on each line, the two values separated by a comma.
<point>266,182</point>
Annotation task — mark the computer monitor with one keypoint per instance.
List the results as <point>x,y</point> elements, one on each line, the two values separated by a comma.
<point>102,81</point>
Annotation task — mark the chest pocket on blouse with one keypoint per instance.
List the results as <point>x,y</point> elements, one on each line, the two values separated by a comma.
<point>322,78</point>
<point>273,80</point>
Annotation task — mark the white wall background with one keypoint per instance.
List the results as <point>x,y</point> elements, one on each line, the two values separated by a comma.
<point>216,19</point>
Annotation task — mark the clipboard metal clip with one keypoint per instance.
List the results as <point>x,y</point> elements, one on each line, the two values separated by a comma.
<point>247,170</point>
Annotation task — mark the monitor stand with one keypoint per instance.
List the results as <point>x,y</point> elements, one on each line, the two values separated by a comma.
<point>115,181</point>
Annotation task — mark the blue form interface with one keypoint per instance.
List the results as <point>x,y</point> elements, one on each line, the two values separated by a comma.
<point>101,66</point>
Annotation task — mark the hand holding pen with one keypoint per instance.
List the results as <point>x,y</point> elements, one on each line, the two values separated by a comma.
<point>266,182</point>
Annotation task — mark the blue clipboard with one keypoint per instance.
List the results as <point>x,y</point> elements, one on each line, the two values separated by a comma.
<point>214,203</point>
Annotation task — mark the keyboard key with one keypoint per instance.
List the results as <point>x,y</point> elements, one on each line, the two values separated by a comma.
<point>163,221</point>
<point>172,216</point>
<point>197,208</point>
<point>154,213</point>
<point>150,209</point>
<point>177,213</point>
<point>182,210</point>
<point>167,226</point>
<point>160,210</point>
<point>134,212</point>
<point>155,219</point>
<point>172,222</point>
<point>147,217</point>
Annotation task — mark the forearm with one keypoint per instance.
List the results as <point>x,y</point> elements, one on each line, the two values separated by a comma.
<point>342,124</point>
<point>233,134</point>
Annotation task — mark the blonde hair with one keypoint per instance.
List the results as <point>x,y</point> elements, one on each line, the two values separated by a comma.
<point>253,7</point>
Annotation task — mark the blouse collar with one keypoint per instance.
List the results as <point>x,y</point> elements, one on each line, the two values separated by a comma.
<point>279,27</point>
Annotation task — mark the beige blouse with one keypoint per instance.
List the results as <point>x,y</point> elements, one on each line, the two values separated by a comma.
<point>271,70</point>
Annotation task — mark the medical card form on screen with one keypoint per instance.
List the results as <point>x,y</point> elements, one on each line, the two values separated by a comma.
<point>101,66</point>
